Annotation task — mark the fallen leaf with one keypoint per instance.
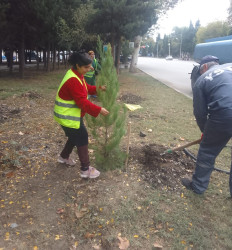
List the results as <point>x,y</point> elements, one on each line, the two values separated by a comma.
<point>81,213</point>
<point>10,174</point>
<point>124,243</point>
<point>97,247</point>
<point>74,246</point>
<point>89,236</point>
<point>7,236</point>
<point>60,211</point>
<point>157,246</point>
<point>159,226</point>
<point>57,237</point>
<point>84,209</point>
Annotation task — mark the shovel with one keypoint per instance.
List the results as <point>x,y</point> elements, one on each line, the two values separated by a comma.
<point>169,151</point>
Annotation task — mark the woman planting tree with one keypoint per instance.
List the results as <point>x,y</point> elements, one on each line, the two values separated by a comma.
<point>70,107</point>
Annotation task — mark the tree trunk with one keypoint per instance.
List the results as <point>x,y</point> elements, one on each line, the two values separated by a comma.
<point>118,51</point>
<point>48,57</point>
<point>65,59</point>
<point>133,66</point>
<point>58,66</point>
<point>30,56</point>
<point>113,45</point>
<point>45,58</point>
<point>22,56</point>
<point>54,57</point>
<point>11,59</point>
<point>37,58</point>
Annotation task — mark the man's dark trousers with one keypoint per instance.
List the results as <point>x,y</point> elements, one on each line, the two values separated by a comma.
<point>217,133</point>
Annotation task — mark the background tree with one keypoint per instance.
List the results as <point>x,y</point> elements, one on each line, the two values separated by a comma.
<point>128,19</point>
<point>108,130</point>
<point>126,51</point>
<point>54,25</point>
<point>214,29</point>
<point>3,22</point>
<point>230,17</point>
<point>72,32</point>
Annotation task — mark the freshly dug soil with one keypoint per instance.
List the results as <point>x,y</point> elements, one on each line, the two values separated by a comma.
<point>164,171</point>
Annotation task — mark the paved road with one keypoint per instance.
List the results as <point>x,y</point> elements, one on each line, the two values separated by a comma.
<point>174,74</point>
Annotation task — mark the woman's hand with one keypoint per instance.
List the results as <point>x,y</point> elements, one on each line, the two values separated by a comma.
<point>103,88</point>
<point>104,112</point>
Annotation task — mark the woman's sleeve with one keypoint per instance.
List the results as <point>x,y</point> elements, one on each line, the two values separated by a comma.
<point>79,94</point>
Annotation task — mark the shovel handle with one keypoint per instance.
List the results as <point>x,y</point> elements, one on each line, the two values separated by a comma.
<point>186,145</point>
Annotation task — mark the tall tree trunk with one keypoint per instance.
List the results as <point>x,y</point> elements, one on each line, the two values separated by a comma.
<point>45,58</point>
<point>37,58</point>
<point>48,57</point>
<point>22,56</point>
<point>54,57</point>
<point>65,59</point>
<point>133,66</point>
<point>58,65</point>
<point>30,56</point>
<point>10,63</point>
<point>22,53</point>
<point>118,51</point>
<point>113,45</point>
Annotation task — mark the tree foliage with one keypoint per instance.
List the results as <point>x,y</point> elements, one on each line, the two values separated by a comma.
<point>50,25</point>
<point>125,18</point>
<point>230,16</point>
<point>72,32</point>
<point>214,29</point>
<point>108,130</point>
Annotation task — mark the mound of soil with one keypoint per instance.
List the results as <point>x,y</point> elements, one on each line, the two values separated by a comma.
<point>130,98</point>
<point>7,112</point>
<point>164,171</point>
<point>31,94</point>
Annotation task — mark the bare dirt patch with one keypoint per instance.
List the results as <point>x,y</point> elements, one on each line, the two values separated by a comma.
<point>131,98</point>
<point>163,171</point>
<point>6,112</point>
<point>32,95</point>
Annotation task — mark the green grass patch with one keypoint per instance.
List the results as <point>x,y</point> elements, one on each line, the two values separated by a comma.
<point>41,83</point>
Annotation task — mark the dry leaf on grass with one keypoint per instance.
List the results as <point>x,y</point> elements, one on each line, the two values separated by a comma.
<point>97,247</point>
<point>89,236</point>
<point>124,243</point>
<point>10,174</point>
<point>157,246</point>
<point>79,214</point>
<point>60,211</point>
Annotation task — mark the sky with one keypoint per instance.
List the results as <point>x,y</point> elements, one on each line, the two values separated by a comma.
<point>191,10</point>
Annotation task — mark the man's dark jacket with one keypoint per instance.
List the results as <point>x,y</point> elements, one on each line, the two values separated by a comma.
<point>212,95</point>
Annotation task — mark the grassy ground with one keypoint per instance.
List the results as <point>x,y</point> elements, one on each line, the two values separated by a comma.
<point>54,209</point>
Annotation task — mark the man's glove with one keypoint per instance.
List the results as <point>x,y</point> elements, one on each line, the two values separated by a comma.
<point>201,136</point>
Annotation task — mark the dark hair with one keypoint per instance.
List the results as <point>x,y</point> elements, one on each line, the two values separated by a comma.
<point>81,58</point>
